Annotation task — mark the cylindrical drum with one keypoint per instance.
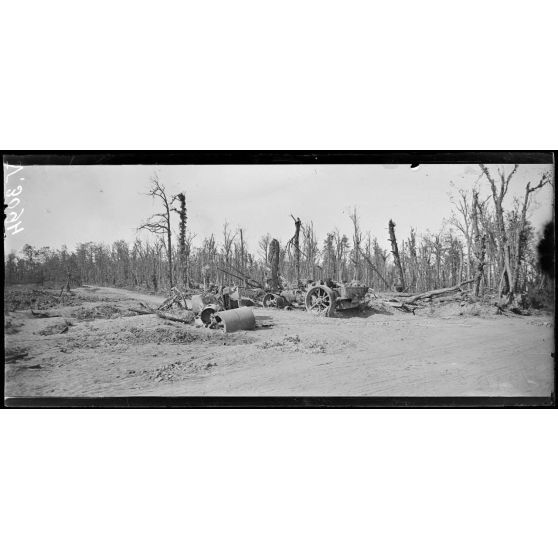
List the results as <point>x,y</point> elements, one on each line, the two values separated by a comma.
<point>205,314</point>
<point>237,319</point>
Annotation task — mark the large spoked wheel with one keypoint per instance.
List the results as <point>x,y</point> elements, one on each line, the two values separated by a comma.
<point>320,300</point>
<point>272,300</point>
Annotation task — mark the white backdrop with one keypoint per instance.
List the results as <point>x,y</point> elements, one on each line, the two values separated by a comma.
<point>294,75</point>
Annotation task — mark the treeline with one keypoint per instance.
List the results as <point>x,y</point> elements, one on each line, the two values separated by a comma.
<point>481,242</point>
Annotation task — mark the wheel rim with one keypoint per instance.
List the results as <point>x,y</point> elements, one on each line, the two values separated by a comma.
<point>320,301</point>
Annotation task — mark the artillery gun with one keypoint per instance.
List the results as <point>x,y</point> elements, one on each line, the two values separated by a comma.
<point>320,298</point>
<point>287,298</point>
<point>326,298</point>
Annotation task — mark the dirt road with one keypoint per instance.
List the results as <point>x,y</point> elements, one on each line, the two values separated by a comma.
<point>120,294</point>
<point>372,354</point>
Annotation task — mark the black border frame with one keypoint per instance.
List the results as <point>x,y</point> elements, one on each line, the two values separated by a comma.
<point>269,157</point>
<point>233,402</point>
<point>98,157</point>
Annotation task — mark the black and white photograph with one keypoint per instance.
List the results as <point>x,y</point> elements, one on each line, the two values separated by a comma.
<point>278,280</point>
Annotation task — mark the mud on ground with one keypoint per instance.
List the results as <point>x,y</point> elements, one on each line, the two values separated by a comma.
<point>95,345</point>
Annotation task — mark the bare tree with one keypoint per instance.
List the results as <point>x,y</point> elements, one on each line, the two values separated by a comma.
<point>310,251</point>
<point>274,256</point>
<point>329,259</point>
<point>368,258</point>
<point>520,238</point>
<point>264,247</point>
<point>295,243</point>
<point>479,242</point>
<point>341,248</point>
<point>228,240</point>
<point>357,240</point>
<point>160,223</point>
<point>509,282</point>
<point>413,258</point>
<point>242,254</point>
<point>487,220</point>
<point>462,220</point>
<point>182,245</point>
<point>395,252</point>
<point>498,195</point>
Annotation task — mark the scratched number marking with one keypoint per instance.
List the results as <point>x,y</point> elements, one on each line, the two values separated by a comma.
<point>13,211</point>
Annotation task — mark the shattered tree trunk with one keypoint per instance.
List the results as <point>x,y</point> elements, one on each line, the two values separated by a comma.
<point>395,252</point>
<point>182,239</point>
<point>357,239</point>
<point>274,263</point>
<point>160,223</point>
<point>296,242</point>
<point>414,260</point>
<point>242,266</point>
<point>480,265</point>
<point>506,287</point>
<point>169,249</point>
<point>68,279</point>
<point>479,245</point>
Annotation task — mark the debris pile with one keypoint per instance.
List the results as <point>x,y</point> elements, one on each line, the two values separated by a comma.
<point>217,308</point>
<point>451,301</point>
<point>413,302</point>
<point>102,311</point>
<point>294,344</point>
<point>178,370</point>
<point>119,340</point>
<point>37,299</point>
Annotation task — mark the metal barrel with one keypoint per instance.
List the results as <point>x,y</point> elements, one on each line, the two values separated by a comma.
<point>205,314</point>
<point>237,319</point>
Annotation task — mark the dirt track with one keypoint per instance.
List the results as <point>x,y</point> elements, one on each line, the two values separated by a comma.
<point>371,354</point>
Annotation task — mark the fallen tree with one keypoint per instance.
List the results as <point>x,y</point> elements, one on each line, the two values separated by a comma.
<point>410,303</point>
<point>437,292</point>
<point>187,319</point>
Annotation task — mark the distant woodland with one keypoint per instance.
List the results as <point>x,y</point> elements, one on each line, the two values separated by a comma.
<point>480,241</point>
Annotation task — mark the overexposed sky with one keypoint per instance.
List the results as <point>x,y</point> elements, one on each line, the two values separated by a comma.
<point>72,204</point>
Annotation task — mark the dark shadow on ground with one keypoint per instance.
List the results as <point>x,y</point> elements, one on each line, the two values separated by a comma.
<point>361,313</point>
